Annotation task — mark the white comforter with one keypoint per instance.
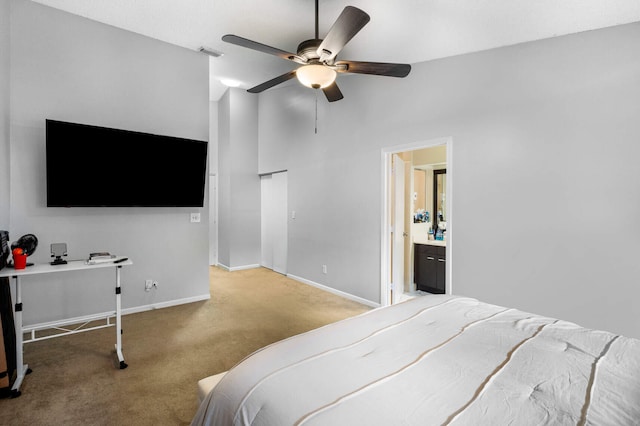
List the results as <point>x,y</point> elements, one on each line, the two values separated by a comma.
<point>435,360</point>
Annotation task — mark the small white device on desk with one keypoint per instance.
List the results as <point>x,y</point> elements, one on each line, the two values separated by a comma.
<point>116,262</point>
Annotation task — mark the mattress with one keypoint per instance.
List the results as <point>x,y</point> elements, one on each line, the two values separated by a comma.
<point>436,359</point>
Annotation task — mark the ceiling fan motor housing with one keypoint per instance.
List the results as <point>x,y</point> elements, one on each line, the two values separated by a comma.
<point>308,50</point>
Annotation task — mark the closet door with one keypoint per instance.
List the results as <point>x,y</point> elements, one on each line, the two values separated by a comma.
<point>274,222</point>
<point>266,213</point>
<point>279,222</point>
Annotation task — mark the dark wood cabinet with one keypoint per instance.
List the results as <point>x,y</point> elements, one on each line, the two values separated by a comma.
<point>429,265</point>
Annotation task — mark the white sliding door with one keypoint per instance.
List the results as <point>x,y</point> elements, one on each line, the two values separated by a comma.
<point>279,223</point>
<point>274,215</point>
<point>266,214</point>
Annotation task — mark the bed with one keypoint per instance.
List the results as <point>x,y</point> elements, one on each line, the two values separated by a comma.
<point>434,360</point>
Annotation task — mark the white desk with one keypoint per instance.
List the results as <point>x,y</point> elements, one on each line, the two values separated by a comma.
<point>17,274</point>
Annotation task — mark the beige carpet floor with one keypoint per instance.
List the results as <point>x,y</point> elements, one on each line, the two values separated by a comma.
<point>75,380</point>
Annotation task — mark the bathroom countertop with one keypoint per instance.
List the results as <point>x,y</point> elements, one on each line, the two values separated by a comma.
<point>425,240</point>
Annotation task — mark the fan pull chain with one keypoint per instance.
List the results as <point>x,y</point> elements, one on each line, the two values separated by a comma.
<point>316,124</point>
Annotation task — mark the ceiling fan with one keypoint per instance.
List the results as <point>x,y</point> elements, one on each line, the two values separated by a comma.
<point>317,57</point>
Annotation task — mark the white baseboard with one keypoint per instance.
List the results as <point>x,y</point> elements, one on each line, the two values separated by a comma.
<point>334,291</point>
<point>166,304</point>
<point>126,311</point>
<point>238,268</point>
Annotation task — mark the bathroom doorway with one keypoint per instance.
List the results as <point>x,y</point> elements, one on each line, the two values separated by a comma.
<point>429,159</point>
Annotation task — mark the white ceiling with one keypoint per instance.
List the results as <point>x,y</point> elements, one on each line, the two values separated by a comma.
<point>407,31</point>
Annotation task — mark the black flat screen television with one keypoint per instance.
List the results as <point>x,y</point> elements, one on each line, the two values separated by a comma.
<point>91,166</point>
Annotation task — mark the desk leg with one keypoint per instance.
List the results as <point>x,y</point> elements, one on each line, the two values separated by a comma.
<point>123,365</point>
<point>21,369</point>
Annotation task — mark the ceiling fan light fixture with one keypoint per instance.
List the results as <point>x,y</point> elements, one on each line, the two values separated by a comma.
<point>316,76</point>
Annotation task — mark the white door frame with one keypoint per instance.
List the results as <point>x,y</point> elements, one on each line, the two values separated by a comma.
<point>385,258</point>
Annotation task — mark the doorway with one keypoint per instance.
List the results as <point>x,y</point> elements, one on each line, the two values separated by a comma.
<point>393,238</point>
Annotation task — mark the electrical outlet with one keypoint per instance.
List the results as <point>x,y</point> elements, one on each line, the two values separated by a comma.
<point>150,285</point>
<point>194,217</point>
<point>324,269</point>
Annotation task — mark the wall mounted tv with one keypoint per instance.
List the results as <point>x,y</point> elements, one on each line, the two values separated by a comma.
<point>91,166</point>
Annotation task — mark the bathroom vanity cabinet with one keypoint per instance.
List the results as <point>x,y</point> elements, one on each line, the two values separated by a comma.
<point>429,267</point>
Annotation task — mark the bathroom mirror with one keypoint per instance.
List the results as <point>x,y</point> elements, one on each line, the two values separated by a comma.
<point>440,195</point>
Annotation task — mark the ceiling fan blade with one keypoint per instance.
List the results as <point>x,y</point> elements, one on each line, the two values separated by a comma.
<point>244,42</point>
<point>375,68</point>
<point>350,21</point>
<point>273,82</point>
<point>332,92</point>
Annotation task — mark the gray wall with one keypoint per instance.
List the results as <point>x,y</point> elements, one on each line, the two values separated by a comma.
<point>546,186</point>
<point>213,138</point>
<point>238,182</point>
<point>70,68</point>
<point>224,179</point>
<point>4,113</point>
